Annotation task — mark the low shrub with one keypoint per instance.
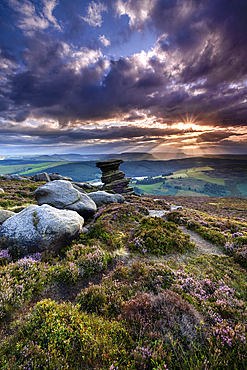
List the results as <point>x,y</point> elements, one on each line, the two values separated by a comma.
<point>60,334</point>
<point>88,259</point>
<point>121,284</point>
<point>18,280</point>
<point>165,317</point>
<point>157,236</point>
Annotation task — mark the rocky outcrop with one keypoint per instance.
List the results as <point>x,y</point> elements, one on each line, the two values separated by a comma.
<point>56,176</point>
<point>83,185</point>
<point>15,177</point>
<point>42,177</point>
<point>4,215</point>
<point>42,228</point>
<point>102,197</point>
<point>114,180</point>
<point>62,195</point>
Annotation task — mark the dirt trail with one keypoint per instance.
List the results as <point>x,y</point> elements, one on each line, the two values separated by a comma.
<point>202,246</point>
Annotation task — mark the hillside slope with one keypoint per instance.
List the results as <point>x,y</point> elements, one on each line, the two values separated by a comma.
<point>133,292</point>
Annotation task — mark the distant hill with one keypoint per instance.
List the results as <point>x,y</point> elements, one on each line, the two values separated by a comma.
<point>167,156</point>
<point>131,156</point>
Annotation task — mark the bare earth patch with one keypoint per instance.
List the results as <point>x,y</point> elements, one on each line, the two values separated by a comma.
<point>202,246</point>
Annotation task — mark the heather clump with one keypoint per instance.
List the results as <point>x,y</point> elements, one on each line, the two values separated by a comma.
<point>111,224</point>
<point>121,284</point>
<point>67,338</point>
<point>157,236</point>
<point>178,217</point>
<point>165,317</point>
<point>19,280</point>
<point>218,289</point>
<point>147,203</point>
<point>88,259</point>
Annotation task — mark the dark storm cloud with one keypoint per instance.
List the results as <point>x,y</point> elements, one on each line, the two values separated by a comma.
<point>215,136</point>
<point>70,135</point>
<point>3,105</point>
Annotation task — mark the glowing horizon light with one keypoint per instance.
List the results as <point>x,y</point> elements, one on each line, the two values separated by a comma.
<point>188,123</point>
<point>187,126</point>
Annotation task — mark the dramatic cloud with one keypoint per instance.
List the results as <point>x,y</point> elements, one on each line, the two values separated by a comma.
<point>63,62</point>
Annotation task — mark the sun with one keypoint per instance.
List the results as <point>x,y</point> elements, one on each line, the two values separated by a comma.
<point>188,123</point>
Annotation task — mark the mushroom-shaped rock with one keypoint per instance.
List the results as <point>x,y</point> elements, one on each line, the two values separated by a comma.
<point>102,197</point>
<point>5,214</point>
<point>62,195</point>
<point>42,228</point>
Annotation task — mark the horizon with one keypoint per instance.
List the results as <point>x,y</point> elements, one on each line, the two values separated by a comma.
<point>156,155</point>
<point>114,76</point>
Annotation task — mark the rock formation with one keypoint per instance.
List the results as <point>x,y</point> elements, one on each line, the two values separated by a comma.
<point>42,228</point>
<point>114,180</point>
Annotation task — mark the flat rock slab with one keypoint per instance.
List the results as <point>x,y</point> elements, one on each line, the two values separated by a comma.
<point>109,164</point>
<point>42,228</point>
<point>157,213</point>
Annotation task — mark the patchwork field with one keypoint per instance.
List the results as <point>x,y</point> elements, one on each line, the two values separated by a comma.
<point>202,181</point>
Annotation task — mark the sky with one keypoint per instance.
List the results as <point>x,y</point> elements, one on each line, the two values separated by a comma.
<point>118,76</point>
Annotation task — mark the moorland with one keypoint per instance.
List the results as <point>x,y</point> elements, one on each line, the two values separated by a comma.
<point>133,292</point>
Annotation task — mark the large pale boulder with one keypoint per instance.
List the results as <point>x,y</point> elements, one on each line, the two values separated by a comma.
<point>42,228</point>
<point>61,194</point>
<point>102,197</point>
<point>5,214</point>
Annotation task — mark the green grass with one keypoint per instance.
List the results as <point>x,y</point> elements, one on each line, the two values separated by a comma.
<point>41,167</point>
<point>28,169</point>
<point>204,177</point>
